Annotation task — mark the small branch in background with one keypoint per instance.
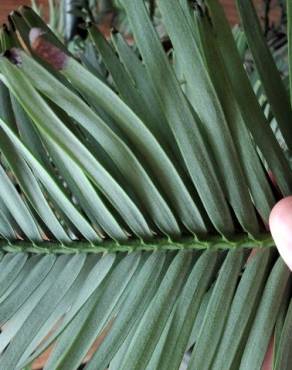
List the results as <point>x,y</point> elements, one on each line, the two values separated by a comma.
<point>283,18</point>
<point>152,8</point>
<point>267,16</point>
<point>88,10</point>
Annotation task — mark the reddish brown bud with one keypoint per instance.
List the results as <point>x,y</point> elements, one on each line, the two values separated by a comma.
<point>46,50</point>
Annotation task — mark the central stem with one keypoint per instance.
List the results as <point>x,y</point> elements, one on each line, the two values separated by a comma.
<point>190,243</point>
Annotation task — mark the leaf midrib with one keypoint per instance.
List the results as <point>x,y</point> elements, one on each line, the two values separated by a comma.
<point>213,242</point>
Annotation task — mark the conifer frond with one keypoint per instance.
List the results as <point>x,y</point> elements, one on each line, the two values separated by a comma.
<point>133,183</point>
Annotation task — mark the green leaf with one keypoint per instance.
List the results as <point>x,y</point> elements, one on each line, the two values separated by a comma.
<point>28,266</point>
<point>90,279</point>
<point>186,311</point>
<point>18,208</point>
<point>13,326</point>
<point>9,269</point>
<point>264,321</point>
<point>7,230</point>
<point>155,318</point>
<point>153,363</point>
<point>47,303</point>
<point>6,107</point>
<point>138,134</point>
<point>79,336</point>
<point>267,69</point>
<point>83,190</point>
<point>139,298</point>
<point>217,312</point>
<point>144,106</point>
<point>242,310</point>
<point>149,196</point>
<point>205,102</point>
<point>253,169</point>
<point>62,308</point>
<point>56,130</point>
<point>199,318</point>
<point>283,354</point>
<point>23,291</point>
<point>31,188</point>
<point>180,117</point>
<point>153,115</point>
<point>252,114</point>
<point>29,135</point>
<point>138,91</point>
<point>63,202</point>
<point>280,324</point>
<point>100,159</point>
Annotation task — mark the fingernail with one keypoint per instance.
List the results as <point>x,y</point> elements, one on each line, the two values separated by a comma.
<point>281,228</point>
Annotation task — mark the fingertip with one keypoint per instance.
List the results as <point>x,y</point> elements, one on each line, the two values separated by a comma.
<point>280,222</point>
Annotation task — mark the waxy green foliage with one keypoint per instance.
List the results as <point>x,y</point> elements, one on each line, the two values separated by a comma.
<point>134,182</point>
